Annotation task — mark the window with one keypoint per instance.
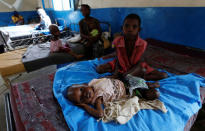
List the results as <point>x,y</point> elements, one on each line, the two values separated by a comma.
<point>61,5</point>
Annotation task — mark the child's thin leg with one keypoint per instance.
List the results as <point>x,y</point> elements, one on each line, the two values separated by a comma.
<point>155,75</point>
<point>153,85</point>
<point>137,70</point>
<point>88,51</point>
<point>149,94</point>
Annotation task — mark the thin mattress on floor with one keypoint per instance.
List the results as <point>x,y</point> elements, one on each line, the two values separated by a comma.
<point>180,94</point>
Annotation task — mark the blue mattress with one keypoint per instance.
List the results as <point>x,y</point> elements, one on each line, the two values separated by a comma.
<point>180,94</point>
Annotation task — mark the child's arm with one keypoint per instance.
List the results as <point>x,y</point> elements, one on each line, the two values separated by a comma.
<point>116,72</point>
<point>98,112</point>
<point>109,56</point>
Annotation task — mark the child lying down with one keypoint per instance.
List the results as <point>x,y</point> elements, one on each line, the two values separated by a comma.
<point>101,91</point>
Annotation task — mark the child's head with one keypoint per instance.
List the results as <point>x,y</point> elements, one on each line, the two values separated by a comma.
<point>81,93</point>
<point>104,68</point>
<point>54,30</point>
<point>85,9</point>
<point>16,13</point>
<point>131,25</point>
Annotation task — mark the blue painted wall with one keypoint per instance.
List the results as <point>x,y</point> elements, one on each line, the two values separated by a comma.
<point>180,25</point>
<point>6,17</point>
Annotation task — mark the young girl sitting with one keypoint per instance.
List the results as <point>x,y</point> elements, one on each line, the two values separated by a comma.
<point>129,49</point>
<point>103,90</point>
<point>56,44</point>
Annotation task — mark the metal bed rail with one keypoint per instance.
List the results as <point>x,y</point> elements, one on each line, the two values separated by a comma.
<point>73,28</point>
<point>34,39</point>
<point>10,124</point>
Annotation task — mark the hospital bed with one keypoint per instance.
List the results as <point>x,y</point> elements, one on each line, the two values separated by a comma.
<point>20,31</point>
<point>22,35</point>
<point>11,62</point>
<point>41,110</point>
<point>28,31</point>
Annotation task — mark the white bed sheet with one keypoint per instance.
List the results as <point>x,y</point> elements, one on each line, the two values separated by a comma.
<point>19,31</point>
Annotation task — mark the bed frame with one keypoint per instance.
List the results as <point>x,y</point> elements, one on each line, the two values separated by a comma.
<point>34,39</point>
<point>10,124</point>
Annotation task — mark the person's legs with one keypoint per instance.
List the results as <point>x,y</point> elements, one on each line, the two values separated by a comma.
<point>88,51</point>
<point>153,85</point>
<point>98,49</point>
<point>137,70</point>
<point>146,72</point>
<point>155,75</point>
<point>104,68</point>
<point>149,94</point>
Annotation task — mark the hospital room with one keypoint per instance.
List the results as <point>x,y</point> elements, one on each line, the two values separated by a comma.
<point>102,65</point>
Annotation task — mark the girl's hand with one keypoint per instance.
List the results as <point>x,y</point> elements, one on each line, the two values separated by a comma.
<point>82,105</point>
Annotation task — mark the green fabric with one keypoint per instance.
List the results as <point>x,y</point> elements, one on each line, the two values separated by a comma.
<point>94,32</point>
<point>137,93</point>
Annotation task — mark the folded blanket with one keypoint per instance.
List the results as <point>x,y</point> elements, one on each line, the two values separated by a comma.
<point>123,110</point>
<point>180,95</point>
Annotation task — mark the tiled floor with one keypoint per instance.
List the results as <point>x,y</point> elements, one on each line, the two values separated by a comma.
<point>15,79</point>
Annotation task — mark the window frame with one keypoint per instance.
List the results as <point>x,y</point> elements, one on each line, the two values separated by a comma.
<point>62,7</point>
<point>52,7</point>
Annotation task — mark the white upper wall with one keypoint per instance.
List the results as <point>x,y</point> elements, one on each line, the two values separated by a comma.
<point>29,5</point>
<point>26,5</point>
<point>143,3</point>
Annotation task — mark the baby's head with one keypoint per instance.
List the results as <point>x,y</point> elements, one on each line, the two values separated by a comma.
<point>80,93</point>
<point>131,25</point>
<point>54,30</point>
<point>104,68</point>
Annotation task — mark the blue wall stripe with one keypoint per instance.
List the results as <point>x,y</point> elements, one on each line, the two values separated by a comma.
<point>6,17</point>
<point>43,4</point>
<point>180,25</point>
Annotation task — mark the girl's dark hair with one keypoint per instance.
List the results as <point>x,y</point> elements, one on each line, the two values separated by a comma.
<point>86,6</point>
<point>133,16</point>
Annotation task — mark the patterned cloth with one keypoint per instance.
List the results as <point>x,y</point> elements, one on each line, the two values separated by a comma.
<point>124,109</point>
<point>16,19</point>
<point>56,45</point>
<point>108,89</point>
